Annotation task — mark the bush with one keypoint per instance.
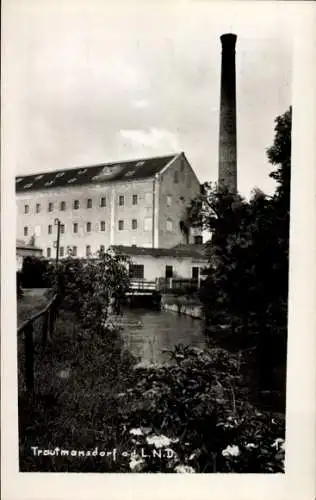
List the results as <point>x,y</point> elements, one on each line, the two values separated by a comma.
<point>34,273</point>
<point>195,417</point>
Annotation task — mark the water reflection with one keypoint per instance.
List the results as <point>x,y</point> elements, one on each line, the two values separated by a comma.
<point>147,333</point>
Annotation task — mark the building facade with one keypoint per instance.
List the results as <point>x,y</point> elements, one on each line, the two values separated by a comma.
<point>149,264</point>
<point>132,203</point>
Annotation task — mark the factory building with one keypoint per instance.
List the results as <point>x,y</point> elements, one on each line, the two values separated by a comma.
<point>141,202</point>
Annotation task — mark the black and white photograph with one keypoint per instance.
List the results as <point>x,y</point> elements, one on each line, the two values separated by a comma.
<point>151,160</point>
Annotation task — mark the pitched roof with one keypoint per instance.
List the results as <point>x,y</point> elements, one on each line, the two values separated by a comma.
<point>95,174</point>
<point>180,251</point>
<point>26,246</point>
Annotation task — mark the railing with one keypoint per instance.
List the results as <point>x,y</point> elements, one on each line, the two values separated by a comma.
<point>143,285</point>
<point>26,329</point>
<point>164,285</point>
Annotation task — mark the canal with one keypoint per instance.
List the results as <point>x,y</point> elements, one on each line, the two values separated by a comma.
<point>147,333</point>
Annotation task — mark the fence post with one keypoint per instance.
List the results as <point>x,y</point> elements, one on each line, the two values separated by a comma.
<point>45,328</point>
<point>51,321</point>
<point>29,356</point>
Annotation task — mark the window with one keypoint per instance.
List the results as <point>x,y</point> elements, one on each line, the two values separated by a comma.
<point>102,225</point>
<point>134,223</point>
<point>62,228</point>
<point>88,227</point>
<point>48,252</point>
<point>76,204</point>
<point>169,200</point>
<point>136,271</point>
<point>103,201</point>
<point>198,240</point>
<point>121,225</point>
<point>61,251</point>
<point>75,227</point>
<point>135,199</point>
<point>195,273</point>
<point>62,206</point>
<point>74,251</point>
<point>50,206</point>
<point>148,224</point>
<point>50,229</point>
<point>176,177</point>
<point>169,225</point>
<point>88,250</point>
<point>89,203</point>
<point>26,209</point>
<point>26,230</point>
<point>168,272</point>
<point>121,200</point>
<point>38,208</point>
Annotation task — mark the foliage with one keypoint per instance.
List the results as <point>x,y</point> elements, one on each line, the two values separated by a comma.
<point>194,416</point>
<point>88,285</point>
<point>33,274</point>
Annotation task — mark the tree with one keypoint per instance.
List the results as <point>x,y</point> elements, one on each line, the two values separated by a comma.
<point>247,284</point>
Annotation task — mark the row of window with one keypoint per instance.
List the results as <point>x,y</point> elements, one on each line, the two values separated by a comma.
<point>121,226</point>
<point>136,271</point>
<point>76,204</point>
<point>71,250</point>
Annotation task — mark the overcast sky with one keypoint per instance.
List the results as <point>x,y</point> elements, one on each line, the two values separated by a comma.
<point>98,81</point>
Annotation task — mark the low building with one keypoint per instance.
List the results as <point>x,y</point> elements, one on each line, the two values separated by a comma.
<point>25,250</point>
<point>182,261</point>
<point>140,202</point>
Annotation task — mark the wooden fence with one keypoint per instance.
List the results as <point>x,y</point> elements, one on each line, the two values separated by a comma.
<point>26,331</point>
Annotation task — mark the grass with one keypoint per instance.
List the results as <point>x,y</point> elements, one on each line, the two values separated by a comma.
<point>74,405</point>
<point>28,305</point>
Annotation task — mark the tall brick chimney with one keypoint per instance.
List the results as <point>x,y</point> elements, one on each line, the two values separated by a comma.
<point>227,169</point>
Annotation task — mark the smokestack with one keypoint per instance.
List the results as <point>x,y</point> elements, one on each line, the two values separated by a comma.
<point>227,169</point>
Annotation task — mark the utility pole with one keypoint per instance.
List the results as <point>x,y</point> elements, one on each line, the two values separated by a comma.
<point>57,223</point>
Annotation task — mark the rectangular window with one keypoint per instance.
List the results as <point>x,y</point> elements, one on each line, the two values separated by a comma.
<point>136,271</point>
<point>148,224</point>
<point>38,208</point>
<point>103,201</point>
<point>176,177</point>
<point>26,231</point>
<point>88,250</point>
<point>198,240</point>
<point>89,203</point>
<point>134,223</point>
<point>135,199</point>
<point>76,204</point>
<point>168,272</point>
<point>62,228</point>
<point>50,229</point>
<point>26,209</point>
<point>62,206</point>
<point>169,200</point>
<point>169,225</point>
<point>121,200</point>
<point>195,273</point>
<point>88,227</point>
<point>74,251</point>
<point>50,206</point>
<point>61,251</point>
<point>75,227</point>
<point>102,225</point>
<point>121,225</point>
<point>48,252</point>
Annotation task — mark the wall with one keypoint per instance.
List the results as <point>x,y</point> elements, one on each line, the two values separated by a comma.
<point>154,267</point>
<point>182,192</point>
<point>38,223</point>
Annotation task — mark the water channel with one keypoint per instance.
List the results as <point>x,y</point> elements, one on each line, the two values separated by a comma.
<point>146,333</point>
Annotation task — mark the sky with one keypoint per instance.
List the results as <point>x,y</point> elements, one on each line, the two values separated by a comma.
<point>92,81</point>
